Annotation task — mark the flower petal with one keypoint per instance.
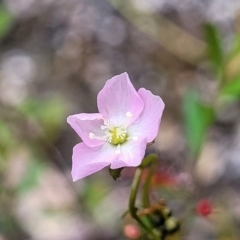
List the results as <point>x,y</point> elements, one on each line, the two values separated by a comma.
<point>87,161</point>
<point>119,101</point>
<point>84,124</point>
<point>118,164</point>
<point>131,154</point>
<point>147,124</point>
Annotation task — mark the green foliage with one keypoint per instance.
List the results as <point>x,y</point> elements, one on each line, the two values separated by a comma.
<point>197,118</point>
<point>6,21</point>
<point>95,192</point>
<point>49,114</point>
<point>30,179</point>
<point>9,226</point>
<point>6,139</point>
<point>214,47</point>
<point>236,46</point>
<point>232,88</point>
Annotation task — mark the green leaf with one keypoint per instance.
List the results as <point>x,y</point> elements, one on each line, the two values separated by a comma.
<point>232,88</point>
<point>115,173</point>
<point>214,48</point>
<point>198,118</point>
<point>6,21</point>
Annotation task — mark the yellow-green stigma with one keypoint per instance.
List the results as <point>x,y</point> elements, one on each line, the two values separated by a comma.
<point>118,135</point>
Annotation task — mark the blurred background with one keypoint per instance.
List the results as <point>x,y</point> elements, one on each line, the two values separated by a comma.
<point>55,56</point>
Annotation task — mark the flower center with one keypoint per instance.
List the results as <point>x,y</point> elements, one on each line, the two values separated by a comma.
<point>117,135</point>
<point>114,135</point>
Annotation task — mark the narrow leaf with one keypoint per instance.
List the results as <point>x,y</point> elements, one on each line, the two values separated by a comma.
<point>232,88</point>
<point>198,118</point>
<point>214,48</point>
<point>6,21</point>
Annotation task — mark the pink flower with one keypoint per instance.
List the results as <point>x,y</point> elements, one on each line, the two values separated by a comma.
<point>119,133</point>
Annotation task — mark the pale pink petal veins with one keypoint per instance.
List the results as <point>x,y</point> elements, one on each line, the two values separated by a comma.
<point>87,160</point>
<point>86,124</point>
<point>148,123</point>
<point>131,154</point>
<point>119,101</point>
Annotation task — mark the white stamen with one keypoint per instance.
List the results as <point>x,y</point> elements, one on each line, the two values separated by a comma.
<point>111,132</point>
<point>121,132</point>
<point>135,138</point>
<point>108,137</point>
<point>91,135</point>
<point>106,125</point>
<point>129,114</point>
<point>118,151</point>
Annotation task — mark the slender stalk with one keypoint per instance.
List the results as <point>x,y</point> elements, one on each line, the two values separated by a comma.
<point>146,190</point>
<point>132,198</point>
<point>132,207</point>
<point>146,186</point>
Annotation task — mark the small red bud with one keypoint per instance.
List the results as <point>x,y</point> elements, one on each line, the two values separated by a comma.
<point>204,208</point>
<point>132,231</point>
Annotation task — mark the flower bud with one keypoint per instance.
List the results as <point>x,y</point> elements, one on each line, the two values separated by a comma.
<point>171,225</point>
<point>204,208</point>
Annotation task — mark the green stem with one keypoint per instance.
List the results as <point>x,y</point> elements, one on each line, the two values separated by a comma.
<point>133,195</point>
<point>132,200</point>
<point>146,186</point>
